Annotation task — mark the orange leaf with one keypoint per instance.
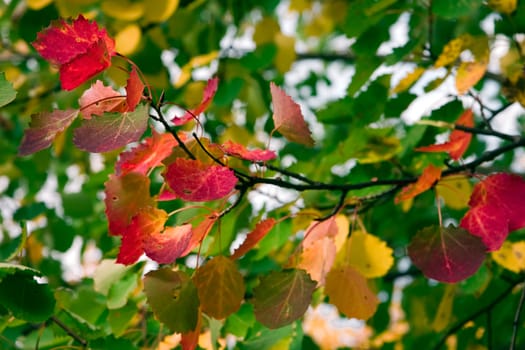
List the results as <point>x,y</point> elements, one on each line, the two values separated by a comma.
<point>468,74</point>
<point>320,229</point>
<point>318,259</point>
<point>258,233</point>
<point>428,178</point>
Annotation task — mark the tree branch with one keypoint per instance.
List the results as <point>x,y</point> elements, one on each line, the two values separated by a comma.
<point>515,323</point>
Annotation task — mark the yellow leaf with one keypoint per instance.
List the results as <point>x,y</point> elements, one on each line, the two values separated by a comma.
<point>511,256</point>
<point>444,311</point>
<point>159,10</point>
<point>450,52</point>
<point>468,74</point>
<point>193,94</point>
<point>196,61</point>
<point>503,6</point>
<point>348,290</point>
<point>123,9</point>
<point>408,80</point>
<point>455,191</point>
<point>367,254</point>
<point>300,5</point>
<point>511,65</point>
<point>38,4</point>
<point>320,25</point>
<point>265,31</point>
<point>285,52</point>
<point>343,229</point>
<point>128,39</point>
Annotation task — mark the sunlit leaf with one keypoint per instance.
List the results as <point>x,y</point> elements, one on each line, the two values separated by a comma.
<point>446,254</point>
<point>99,99</point>
<point>455,191</point>
<point>200,232</point>
<point>79,48</point>
<point>450,52</point>
<point>159,11</point>
<point>111,130</point>
<point>106,274</point>
<point>220,286</point>
<point>127,40</point>
<point>431,174</point>
<point>7,92</point>
<point>192,180</point>
<point>44,128</point>
<point>164,247</point>
<point>317,259</point>
<point>408,80</point>
<point>127,10</point>
<point>288,118</point>
<point>503,6</point>
<point>173,299</point>
<point>489,222</point>
<point>261,229</point>
<point>240,151</point>
<point>468,74</point>
<point>511,256</point>
<point>282,297</point>
<point>348,290</point>
<point>320,229</point>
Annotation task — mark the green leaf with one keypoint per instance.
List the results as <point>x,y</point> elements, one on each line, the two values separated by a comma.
<point>455,8</point>
<point>10,269</point>
<point>25,298</point>
<point>173,298</point>
<point>282,297</point>
<point>120,291</point>
<point>107,274</point>
<point>7,92</point>
<point>84,304</point>
<point>220,286</point>
<point>264,338</point>
<point>119,319</point>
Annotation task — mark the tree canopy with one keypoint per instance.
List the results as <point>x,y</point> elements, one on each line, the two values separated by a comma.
<point>250,175</point>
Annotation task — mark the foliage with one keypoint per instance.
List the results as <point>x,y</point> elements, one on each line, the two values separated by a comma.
<point>214,173</point>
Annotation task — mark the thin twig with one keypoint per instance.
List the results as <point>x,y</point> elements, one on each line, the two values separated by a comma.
<point>69,331</point>
<point>516,321</point>
<point>169,129</point>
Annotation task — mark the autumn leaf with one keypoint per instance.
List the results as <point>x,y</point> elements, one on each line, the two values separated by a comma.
<point>99,99</point>
<point>261,229</point>
<point>348,290</point>
<point>511,256</point>
<point>80,49</point>
<point>173,299</point>
<point>503,6</point>
<point>469,73</point>
<point>220,286</point>
<point>288,118</point>
<point>111,130</point>
<point>43,129</point>
<point>455,191</point>
<point>458,141</point>
<point>488,222</point>
<point>282,297</point>
<point>366,253</point>
<point>134,89</point>
<point>148,154</point>
<point>200,232</point>
<point>125,196</point>
<point>451,52</point>
<point>446,254</point>
<point>318,258</point>
<point>167,246</point>
<point>320,229</point>
<point>191,180</point>
<point>208,94</point>
<point>428,178</point>
<point>256,155</point>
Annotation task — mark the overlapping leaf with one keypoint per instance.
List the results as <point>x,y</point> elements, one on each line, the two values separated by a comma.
<point>288,118</point>
<point>164,247</point>
<point>511,256</point>
<point>134,89</point>
<point>261,229</point>
<point>428,178</point>
<point>192,180</point>
<point>458,140</point>
<point>256,155</point>
<point>208,94</point>
<point>200,232</point>
<point>80,49</point>
<point>112,130</point>
<point>99,99</point>
<point>446,254</point>
<point>7,92</point>
<point>320,229</point>
<point>43,129</point>
<point>489,222</point>
<point>318,258</point>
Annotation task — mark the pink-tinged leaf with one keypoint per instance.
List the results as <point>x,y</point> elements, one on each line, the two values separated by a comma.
<point>446,254</point>
<point>166,194</point>
<point>318,259</point>
<point>261,229</point>
<point>320,229</point>
<point>99,99</point>
<point>288,118</point>
<point>239,151</point>
<point>208,94</point>
<point>191,180</point>
<point>164,247</point>
<point>79,47</point>
<point>458,140</point>
<point>131,248</point>
<point>428,178</point>
<point>43,129</point>
<point>489,222</point>
<point>200,232</point>
<point>125,196</point>
<point>134,89</point>
<point>282,297</point>
<point>149,154</point>
<point>112,130</point>
<point>506,191</point>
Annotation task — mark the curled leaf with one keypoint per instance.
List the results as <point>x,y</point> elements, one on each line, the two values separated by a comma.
<point>428,178</point>
<point>237,150</point>
<point>208,94</point>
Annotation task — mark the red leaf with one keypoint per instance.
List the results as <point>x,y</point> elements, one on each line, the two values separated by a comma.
<point>112,130</point>
<point>149,154</point>
<point>144,226</point>
<point>288,118</point>
<point>428,178</point>
<point>165,247</point>
<point>489,222</point>
<point>43,129</point>
<point>458,140</point>
<point>99,99</point>
<point>200,232</point>
<point>125,196</point>
<point>80,48</point>
<point>134,89</point>
<point>258,233</point>
<point>191,180</point>
<point>256,155</point>
<point>446,254</point>
<point>208,94</point>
